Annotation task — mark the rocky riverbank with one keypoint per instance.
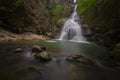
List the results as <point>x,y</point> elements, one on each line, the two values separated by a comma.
<point>10,36</point>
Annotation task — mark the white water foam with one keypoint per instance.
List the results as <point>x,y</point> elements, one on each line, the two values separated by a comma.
<point>74,1</point>
<point>72,29</point>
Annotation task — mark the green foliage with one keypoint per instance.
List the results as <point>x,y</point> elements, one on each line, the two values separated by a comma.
<point>18,2</point>
<point>57,10</point>
<point>56,15</point>
<point>84,5</point>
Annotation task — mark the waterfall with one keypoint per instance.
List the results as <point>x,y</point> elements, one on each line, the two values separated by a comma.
<point>74,1</point>
<point>72,29</point>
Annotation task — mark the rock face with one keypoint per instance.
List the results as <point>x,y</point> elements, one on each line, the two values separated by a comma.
<point>37,16</point>
<point>10,36</point>
<point>102,23</point>
<point>38,13</point>
<point>25,15</point>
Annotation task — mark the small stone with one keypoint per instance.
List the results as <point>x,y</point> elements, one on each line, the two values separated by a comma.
<point>18,50</point>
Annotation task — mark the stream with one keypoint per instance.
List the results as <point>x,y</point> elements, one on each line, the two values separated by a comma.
<point>23,66</point>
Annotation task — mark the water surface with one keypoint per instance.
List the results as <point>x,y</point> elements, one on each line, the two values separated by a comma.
<point>22,66</point>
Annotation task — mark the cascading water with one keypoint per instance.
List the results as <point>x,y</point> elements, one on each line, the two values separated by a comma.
<point>74,1</point>
<point>72,29</point>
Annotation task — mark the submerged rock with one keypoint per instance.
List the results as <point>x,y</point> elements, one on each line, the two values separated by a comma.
<point>109,63</point>
<point>79,58</point>
<point>35,68</point>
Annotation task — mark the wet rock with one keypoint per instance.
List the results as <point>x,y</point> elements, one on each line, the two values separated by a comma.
<point>36,49</point>
<point>18,50</point>
<point>79,58</point>
<point>43,55</point>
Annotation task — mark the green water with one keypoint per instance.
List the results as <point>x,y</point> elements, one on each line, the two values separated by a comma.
<point>68,48</point>
<point>22,66</point>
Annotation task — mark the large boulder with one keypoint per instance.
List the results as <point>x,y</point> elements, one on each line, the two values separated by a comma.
<point>43,56</point>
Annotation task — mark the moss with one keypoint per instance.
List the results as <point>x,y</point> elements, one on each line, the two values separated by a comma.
<point>57,13</point>
<point>57,10</point>
<point>104,16</point>
<point>84,5</point>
